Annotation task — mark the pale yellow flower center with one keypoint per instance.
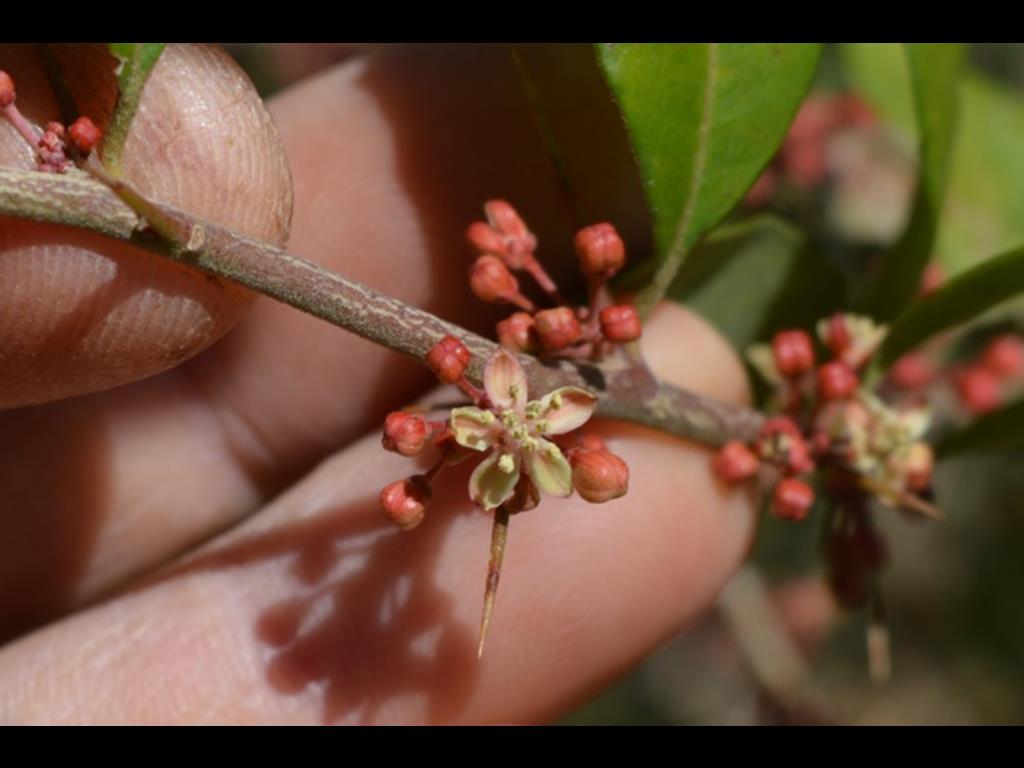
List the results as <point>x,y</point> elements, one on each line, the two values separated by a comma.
<point>523,429</point>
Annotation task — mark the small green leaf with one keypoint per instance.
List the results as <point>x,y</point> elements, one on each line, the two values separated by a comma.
<point>959,300</point>
<point>995,432</point>
<point>756,277</point>
<point>933,75</point>
<point>703,121</point>
<point>136,61</point>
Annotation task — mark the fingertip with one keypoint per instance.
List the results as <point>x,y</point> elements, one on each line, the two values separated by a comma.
<point>684,349</point>
<point>81,312</point>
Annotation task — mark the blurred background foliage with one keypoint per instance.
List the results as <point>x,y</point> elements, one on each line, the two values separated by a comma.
<point>953,590</point>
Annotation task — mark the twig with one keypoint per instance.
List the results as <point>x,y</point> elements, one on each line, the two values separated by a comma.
<point>625,390</point>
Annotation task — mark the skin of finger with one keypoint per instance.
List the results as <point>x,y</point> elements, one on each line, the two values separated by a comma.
<point>82,313</point>
<point>315,611</point>
<point>392,156</point>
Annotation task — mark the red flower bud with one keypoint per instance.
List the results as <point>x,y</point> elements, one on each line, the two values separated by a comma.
<point>793,353</point>
<point>735,463</point>
<point>448,359</point>
<point>910,372</point>
<point>837,335</point>
<point>56,128</point>
<point>404,433</point>
<point>1004,355</point>
<point>620,323</point>
<point>600,250</point>
<point>518,243</point>
<point>504,218</point>
<point>491,281</point>
<point>836,381</point>
<point>7,92</point>
<point>485,239</point>
<point>979,390</point>
<point>557,328</point>
<point>599,476</point>
<point>84,134</point>
<point>517,332</point>
<point>792,499</point>
<point>404,502</point>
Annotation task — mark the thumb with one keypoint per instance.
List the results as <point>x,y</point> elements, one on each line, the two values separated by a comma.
<point>80,312</point>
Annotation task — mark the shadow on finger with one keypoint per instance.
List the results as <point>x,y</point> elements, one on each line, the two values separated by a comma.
<point>364,627</point>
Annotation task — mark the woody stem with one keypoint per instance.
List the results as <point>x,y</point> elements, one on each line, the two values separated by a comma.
<point>114,208</point>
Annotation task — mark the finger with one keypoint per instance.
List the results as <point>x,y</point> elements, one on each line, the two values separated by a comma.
<point>81,312</point>
<point>392,156</point>
<point>314,612</point>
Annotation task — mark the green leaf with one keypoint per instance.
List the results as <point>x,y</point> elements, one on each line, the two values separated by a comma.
<point>703,120</point>
<point>585,138</point>
<point>136,61</point>
<point>959,300</point>
<point>933,75</point>
<point>756,277</point>
<point>984,211</point>
<point>995,432</point>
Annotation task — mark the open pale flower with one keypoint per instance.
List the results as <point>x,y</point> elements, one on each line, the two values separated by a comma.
<point>514,430</point>
<point>865,337</point>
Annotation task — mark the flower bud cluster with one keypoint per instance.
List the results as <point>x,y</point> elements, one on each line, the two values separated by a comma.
<point>986,383</point>
<point>831,422</point>
<point>802,161</point>
<point>782,450</point>
<point>982,384</point>
<point>505,245</point>
<point>55,146</point>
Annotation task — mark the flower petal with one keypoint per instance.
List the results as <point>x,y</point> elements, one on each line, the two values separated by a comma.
<point>474,428</point>
<point>565,409</point>
<point>505,381</point>
<point>915,423</point>
<point>549,469</point>
<point>492,484</point>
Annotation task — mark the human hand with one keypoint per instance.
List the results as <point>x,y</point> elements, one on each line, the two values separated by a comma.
<point>312,609</point>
